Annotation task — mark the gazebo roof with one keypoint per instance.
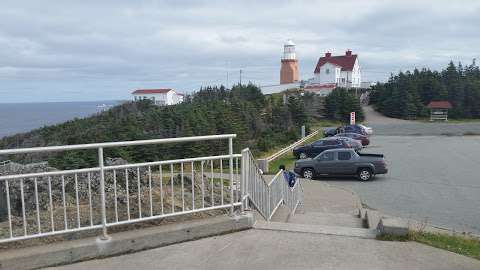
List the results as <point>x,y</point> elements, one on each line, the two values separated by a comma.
<point>439,105</point>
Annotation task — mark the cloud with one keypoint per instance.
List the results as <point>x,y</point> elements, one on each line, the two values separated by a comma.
<point>91,50</point>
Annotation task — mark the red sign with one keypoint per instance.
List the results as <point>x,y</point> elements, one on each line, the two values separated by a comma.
<point>352,118</point>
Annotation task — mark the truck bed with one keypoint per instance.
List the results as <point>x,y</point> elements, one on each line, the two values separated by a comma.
<point>370,155</point>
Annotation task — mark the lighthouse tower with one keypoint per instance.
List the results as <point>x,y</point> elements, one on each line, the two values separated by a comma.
<point>289,68</point>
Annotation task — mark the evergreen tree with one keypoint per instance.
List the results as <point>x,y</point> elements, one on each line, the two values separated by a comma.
<point>407,94</point>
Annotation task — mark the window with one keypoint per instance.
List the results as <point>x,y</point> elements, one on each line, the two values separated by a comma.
<point>331,142</point>
<point>344,155</point>
<point>327,71</point>
<point>318,143</point>
<point>328,156</point>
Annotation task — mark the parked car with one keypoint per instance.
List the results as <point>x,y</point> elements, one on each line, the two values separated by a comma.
<point>355,144</point>
<point>359,137</point>
<point>342,162</point>
<point>352,129</point>
<point>329,132</point>
<point>345,129</point>
<point>369,130</point>
<point>317,147</point>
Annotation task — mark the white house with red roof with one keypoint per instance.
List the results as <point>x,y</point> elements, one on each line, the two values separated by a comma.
<point>342,70</point>
<point>160,97</point>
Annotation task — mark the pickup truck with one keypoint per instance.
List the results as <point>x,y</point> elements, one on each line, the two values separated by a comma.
<point>336,162</point>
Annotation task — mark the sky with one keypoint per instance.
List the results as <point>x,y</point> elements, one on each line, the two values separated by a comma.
<point>102,50</point>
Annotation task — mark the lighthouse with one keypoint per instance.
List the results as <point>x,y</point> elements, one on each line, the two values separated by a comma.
<point>289,68</point>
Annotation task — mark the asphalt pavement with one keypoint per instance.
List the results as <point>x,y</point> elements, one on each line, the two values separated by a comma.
<point>432,178</point>
<point>386,126</point>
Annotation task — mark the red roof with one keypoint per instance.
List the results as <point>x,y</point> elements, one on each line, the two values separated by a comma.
<point>439,105</point>
<point>345,61</point>
<point>152,91</point>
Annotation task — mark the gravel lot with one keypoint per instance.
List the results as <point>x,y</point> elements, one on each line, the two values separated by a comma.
<point>434,178</point>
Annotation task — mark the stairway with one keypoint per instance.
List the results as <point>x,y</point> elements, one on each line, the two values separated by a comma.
<point>339,224</point>
<point>324,212</point>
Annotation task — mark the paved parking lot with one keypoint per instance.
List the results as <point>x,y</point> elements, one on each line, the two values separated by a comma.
<point>432,177</point>
<point>397,127</point>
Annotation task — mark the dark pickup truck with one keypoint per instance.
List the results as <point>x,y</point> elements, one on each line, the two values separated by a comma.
<point>337,162</point>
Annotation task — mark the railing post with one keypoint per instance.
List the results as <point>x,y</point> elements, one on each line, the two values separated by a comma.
<point>242,183</point>
<point>269,206</point>
<point>248,177</point>
<point>230,152</point>
<point>102,195</point>
<point>283,186</point>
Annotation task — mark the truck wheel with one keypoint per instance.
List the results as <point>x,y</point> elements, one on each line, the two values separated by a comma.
<point>307,173</point>
<point>302,156</point>
<point>364,174</point>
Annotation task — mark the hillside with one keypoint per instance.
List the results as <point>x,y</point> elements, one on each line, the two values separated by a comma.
<point>260,123</point>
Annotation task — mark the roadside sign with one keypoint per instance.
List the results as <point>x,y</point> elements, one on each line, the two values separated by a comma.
<point>352,118</point>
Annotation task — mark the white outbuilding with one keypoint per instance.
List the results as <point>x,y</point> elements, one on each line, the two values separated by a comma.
<point>160,97</point>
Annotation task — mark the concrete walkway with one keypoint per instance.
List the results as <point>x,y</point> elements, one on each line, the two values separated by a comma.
<point>255,249</point>
<point>301,246</point>
<point>322,197</point>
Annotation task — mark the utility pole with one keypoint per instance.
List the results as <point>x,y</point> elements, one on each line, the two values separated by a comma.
<point>240,77</point>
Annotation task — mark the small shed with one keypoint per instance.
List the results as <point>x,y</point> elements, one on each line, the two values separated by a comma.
<point>439,110</point>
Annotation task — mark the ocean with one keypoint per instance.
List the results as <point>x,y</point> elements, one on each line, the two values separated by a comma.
<point>23,117</point>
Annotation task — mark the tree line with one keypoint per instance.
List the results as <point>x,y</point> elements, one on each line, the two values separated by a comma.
<point>340,103</point>
<point>407,94</point>
<point>260,122</point>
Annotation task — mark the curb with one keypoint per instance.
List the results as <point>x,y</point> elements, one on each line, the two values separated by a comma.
<point>121,243</point>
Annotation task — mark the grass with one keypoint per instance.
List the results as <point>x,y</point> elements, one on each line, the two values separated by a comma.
<point>455,243</point>
<point>319,123</point>
<point>288,158</point>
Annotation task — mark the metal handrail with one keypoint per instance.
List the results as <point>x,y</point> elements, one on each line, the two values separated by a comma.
<point>114,144</point>
<point>273,193</point>
<point>291,146</point>
<point>275,177</point>
<point>53,184</point>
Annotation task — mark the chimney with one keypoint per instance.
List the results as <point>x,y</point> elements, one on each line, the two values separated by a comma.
<point>328,54</point>
<point>348,53</point>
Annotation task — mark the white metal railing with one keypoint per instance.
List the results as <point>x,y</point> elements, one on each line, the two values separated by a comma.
<point>291,146</point>
<point>5,162</point>
<point>56,202</point>
<point>268,196</point>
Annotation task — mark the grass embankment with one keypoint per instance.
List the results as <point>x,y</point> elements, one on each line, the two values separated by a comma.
<point>455,243</point>
<point>288,159</point>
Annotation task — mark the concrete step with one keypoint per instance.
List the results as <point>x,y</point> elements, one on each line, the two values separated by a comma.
<point>282,214</point>
<point>329,219</point>
<point>317,229</point>
<point>300,209</point>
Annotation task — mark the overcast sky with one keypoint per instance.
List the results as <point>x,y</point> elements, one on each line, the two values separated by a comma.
<point>102,49</point>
